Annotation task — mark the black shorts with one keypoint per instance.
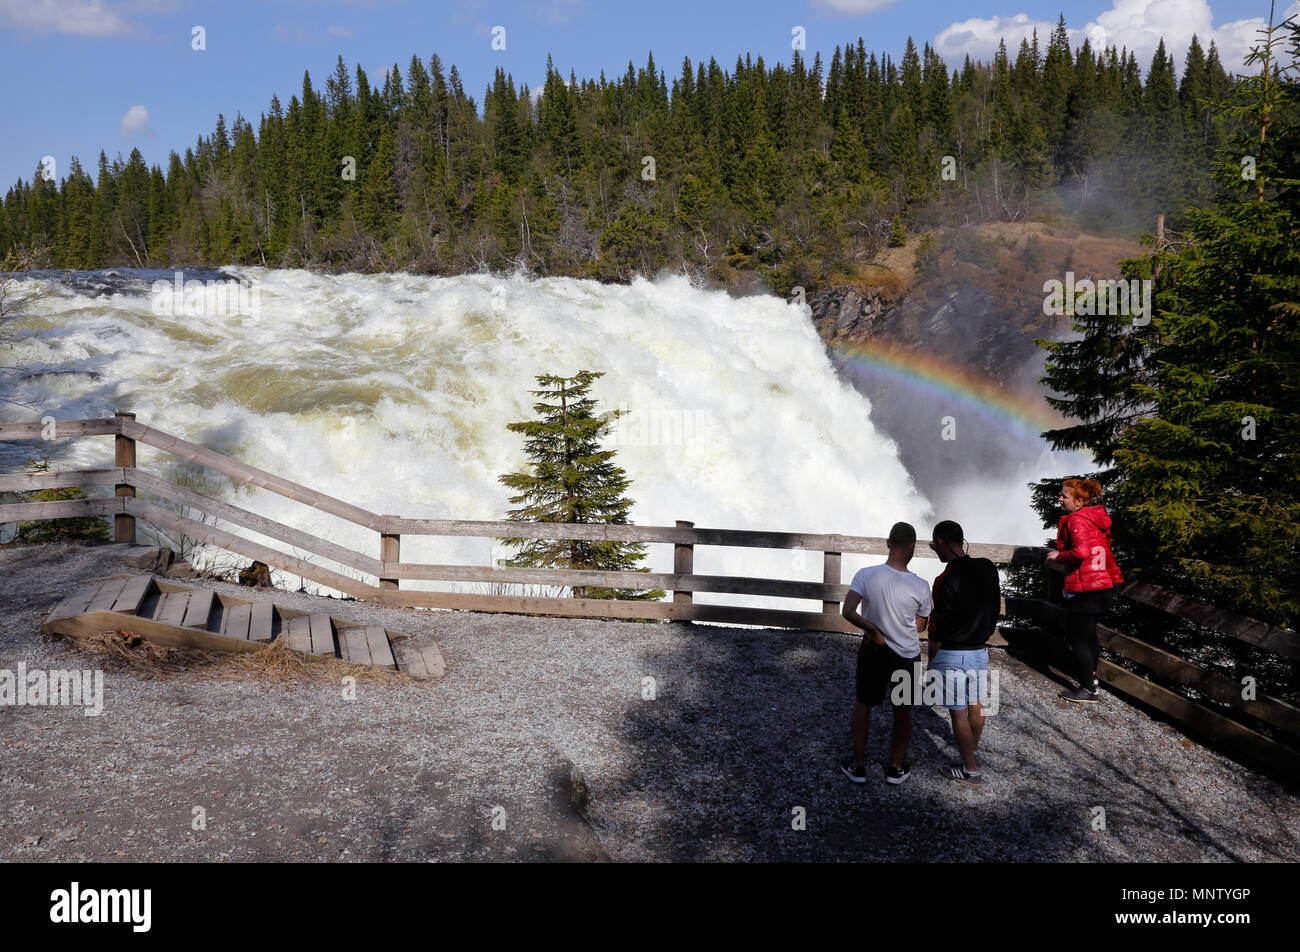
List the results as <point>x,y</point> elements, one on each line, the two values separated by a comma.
<point>876,667</point>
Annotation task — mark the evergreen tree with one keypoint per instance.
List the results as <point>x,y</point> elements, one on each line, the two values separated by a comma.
<point>572,481</point>
<point>1209,478</point>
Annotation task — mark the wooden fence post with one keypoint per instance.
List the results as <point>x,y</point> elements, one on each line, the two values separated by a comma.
<point>683,564</point>
<point>390,550</point>
<point>124,455</point>
<point>831,576</point>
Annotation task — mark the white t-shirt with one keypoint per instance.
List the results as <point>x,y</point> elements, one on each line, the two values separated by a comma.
<point>891,600</point>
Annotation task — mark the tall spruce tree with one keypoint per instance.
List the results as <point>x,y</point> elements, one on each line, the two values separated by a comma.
<point>1210,479</point>
<point>572,481</point>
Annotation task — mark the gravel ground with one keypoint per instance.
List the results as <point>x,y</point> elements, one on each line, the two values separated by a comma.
<point>745,729</point>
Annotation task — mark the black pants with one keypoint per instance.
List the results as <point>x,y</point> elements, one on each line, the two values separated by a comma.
<point>1081,614</point>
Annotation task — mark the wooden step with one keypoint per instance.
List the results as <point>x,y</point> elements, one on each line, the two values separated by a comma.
<point>177,615</point>
<point>133,594</point>
<point>74,604</point>
<point>261,626</point>
<point>171,607</point>
<point>380,652</point>
<point>236,621</point>
<point>199,608</point>
<point>322,635</point>
<point>107,595</point>
<point>420,662</point>
<point>299,633</point>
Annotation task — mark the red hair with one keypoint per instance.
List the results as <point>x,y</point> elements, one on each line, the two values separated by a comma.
<point>1086,491</point>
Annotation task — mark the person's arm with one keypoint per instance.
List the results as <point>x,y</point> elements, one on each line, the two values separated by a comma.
<point>850,613</point>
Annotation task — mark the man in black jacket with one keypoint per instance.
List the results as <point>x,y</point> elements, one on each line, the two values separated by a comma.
<point>967,602</point>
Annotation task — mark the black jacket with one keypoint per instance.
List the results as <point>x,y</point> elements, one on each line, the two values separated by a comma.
<point>967,602</point>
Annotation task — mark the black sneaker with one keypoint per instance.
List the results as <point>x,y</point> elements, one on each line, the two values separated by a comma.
<point>856,774</point>
<point>1080,696</point>
<point>897,774</point>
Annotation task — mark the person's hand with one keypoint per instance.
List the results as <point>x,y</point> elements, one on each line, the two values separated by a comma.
<point>878,636</point>
<point>1052,556</point>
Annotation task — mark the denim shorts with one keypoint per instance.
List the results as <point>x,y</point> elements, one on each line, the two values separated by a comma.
<point>963,674</point>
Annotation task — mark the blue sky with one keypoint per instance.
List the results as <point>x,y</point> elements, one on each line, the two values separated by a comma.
<point>85,75</point>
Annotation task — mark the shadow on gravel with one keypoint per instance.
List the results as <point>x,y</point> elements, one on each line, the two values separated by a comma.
<point>749,725</point>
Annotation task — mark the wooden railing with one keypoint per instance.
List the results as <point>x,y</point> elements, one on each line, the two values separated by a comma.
<point>1281,750</point>
<point>389,570</point>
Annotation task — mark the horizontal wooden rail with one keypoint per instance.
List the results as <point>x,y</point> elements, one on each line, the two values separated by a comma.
<point>251,520</point>
<point>63,429</point>
<point>741,538</point>
<point>1212,684</point>
<point>529,604</point>
<point>59,509</point>
<point>1240,627</point>
<point>253,550</point>
<point>62,479</point>
<point>251,474</point>
<point>643,581</point>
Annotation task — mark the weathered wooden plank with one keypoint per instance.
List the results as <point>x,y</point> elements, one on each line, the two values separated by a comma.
<point>420,661</point>
<point>353,645</point>
<point>250,474</point>
<point>133,595</point>
<point>107,595</point>
<point>64,479</point>
<point>205,533</point>
<point>261,625</point>
<point>60,509</point>
<point>200,608</point>
<point>685,536</point>
<point>433,662</point>
<point>171,608</point>
<point>381,654</point>
<point>251,520</point>
<point>322,635</point>
<point>237,621</point>
<point>1240,627</point>
<point>298,633</point>
<point>1217,728</point>
<point>1218,686</point>
<point>74,604</point>
<point>772,617</point>
<point>644,581</point>
<point>63,429</point>
<point>91,624</point>
<point>530,605</point>
<point>410,660</point>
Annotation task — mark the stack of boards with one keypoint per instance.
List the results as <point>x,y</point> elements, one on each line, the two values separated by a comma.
<point>161,611</point>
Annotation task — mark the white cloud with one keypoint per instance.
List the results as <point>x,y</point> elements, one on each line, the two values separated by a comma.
<point>76,17</point>
<point>852,8</point>
<point>340,31</point>
<point>135,124</point>
<point>1138,25</point>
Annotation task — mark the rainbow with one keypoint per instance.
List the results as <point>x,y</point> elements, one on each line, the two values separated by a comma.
<point>1024,413</point>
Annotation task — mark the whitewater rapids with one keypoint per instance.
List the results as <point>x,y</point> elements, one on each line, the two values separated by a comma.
<point>392,392</point>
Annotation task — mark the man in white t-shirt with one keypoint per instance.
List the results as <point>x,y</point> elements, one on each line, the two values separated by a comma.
<point>895,605</point>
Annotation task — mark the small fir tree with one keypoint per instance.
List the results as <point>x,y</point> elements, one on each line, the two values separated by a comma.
<point>574,481</point>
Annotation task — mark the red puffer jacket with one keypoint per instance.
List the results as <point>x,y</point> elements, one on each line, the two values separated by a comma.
<point>1083,539</point>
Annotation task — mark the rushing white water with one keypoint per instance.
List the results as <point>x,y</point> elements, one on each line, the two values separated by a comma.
<point>392,392</point>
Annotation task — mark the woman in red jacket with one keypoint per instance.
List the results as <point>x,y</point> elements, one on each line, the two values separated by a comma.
<point>1083,549</point>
